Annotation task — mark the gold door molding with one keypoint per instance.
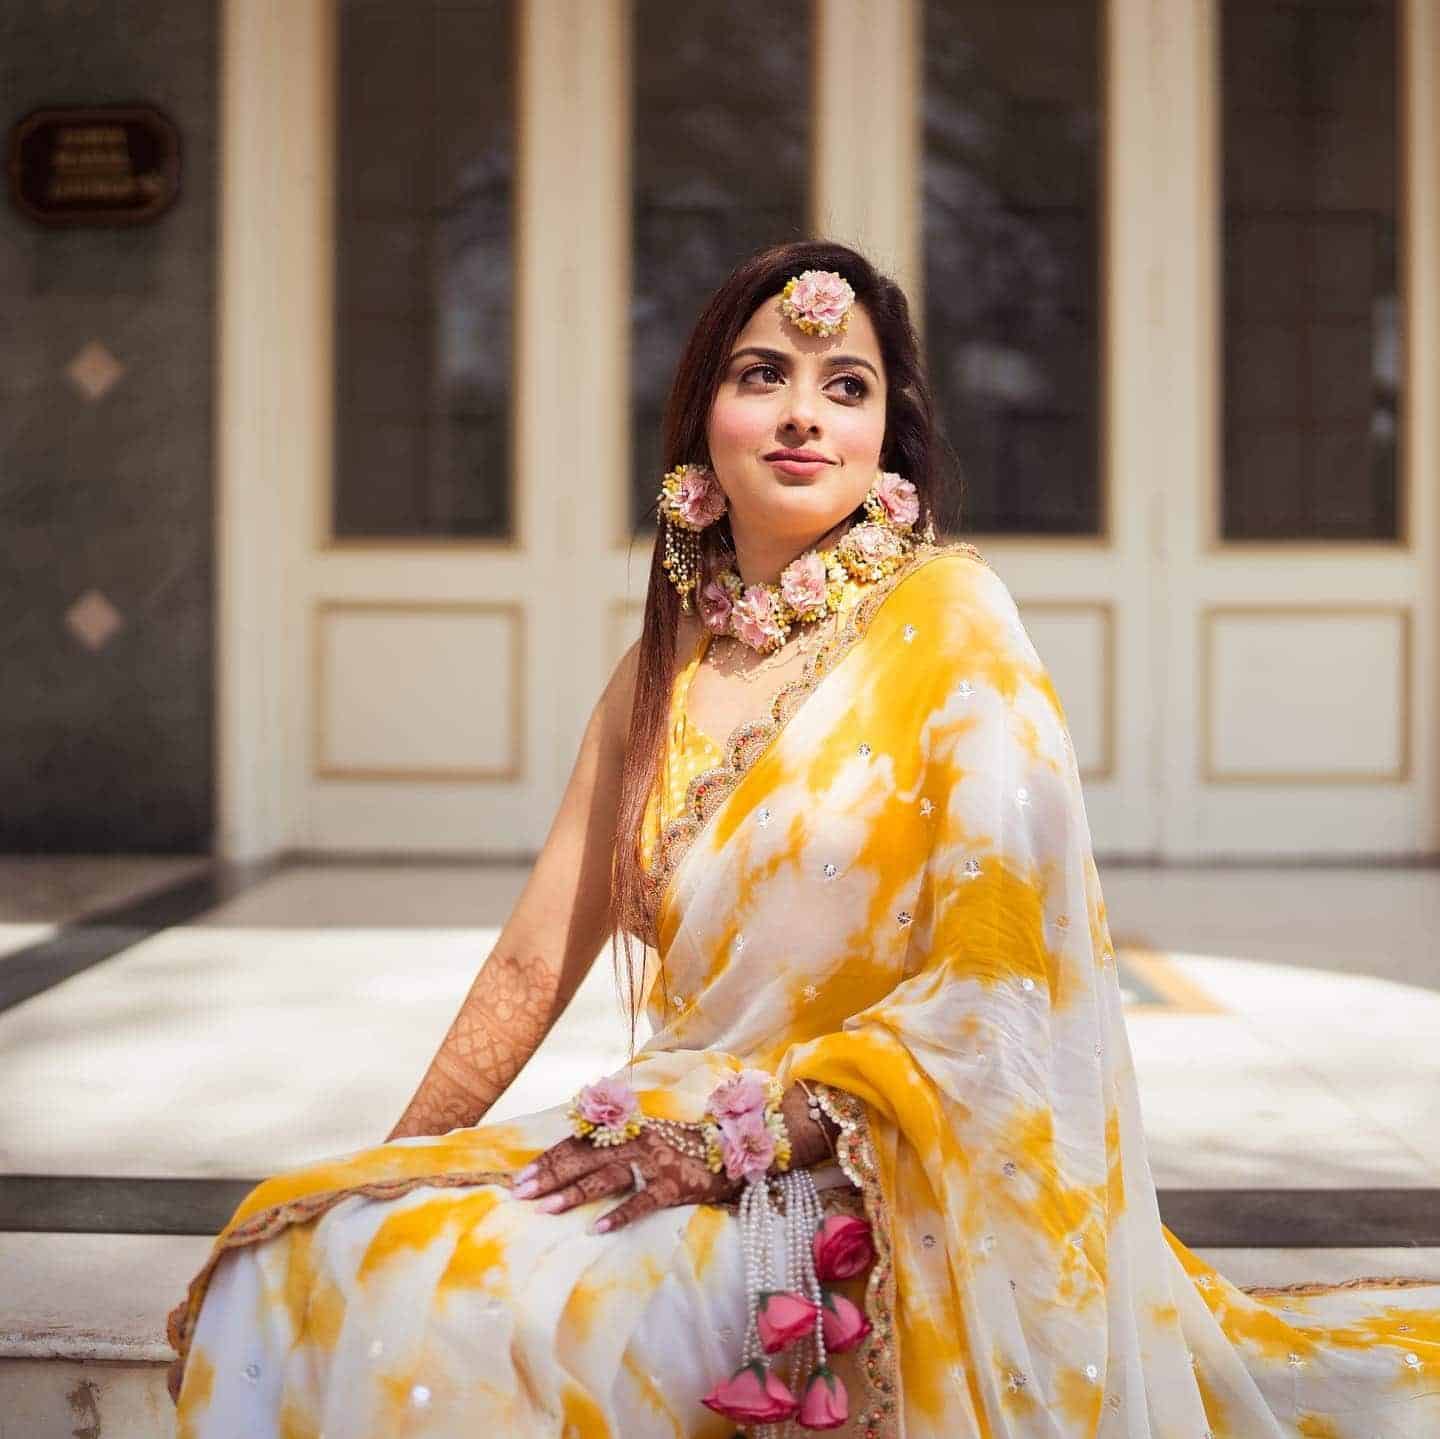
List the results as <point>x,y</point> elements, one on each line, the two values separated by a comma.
<point>322,767</point>
<point>1212,774</point>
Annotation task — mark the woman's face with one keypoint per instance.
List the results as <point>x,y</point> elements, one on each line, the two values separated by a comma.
<point>784,389</point>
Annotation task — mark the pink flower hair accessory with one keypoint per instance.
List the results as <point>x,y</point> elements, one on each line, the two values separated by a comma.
<point>818,302</point>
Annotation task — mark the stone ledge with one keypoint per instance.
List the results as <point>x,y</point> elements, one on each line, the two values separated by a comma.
<point>93,1297</point>
<point>58,1399</point>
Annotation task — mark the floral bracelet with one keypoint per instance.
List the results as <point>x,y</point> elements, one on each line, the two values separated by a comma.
<point>742,1130</point>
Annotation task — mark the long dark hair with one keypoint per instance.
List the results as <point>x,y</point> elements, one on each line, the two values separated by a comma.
<point>910,448</point>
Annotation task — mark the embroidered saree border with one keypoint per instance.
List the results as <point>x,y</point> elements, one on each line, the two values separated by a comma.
<point>750,739</point>
<point>1375,1282</point>
<point>879,1358</point>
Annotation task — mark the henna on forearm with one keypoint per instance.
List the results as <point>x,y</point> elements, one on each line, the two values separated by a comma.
<point>509,1010</point>
<point>810,1143</point>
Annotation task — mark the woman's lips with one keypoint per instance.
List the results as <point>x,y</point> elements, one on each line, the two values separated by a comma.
<point>799,467</point>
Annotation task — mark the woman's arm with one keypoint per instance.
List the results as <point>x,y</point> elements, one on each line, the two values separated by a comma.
<point>547,945</point>
<point>811,1143</point>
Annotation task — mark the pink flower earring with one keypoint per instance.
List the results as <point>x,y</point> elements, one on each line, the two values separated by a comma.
<point>690,500</point>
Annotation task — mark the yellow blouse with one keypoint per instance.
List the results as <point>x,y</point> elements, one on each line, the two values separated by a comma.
<point>690,750</point>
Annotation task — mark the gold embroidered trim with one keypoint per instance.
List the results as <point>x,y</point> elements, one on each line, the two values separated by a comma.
<point>855,1152</point>
<point>1395,1282</point>
<point>267,1223</point>
<point>708,790</point>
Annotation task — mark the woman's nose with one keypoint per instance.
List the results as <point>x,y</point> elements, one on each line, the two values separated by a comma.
<point>799,414</point>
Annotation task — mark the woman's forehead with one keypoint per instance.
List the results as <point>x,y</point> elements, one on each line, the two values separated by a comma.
<point>768,327</point>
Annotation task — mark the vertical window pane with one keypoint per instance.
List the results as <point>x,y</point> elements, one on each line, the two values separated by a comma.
<point>424,265</point>
<point>721,167</point>
<point>1312,347</point>
<point>1011,240</point>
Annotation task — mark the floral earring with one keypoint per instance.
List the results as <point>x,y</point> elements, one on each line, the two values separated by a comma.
<point>690,500</point>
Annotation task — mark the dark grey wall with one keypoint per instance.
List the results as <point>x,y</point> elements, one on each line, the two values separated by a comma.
<point>106,746</point>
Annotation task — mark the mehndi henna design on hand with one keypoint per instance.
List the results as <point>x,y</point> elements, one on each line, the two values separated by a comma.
<point>574,1170</point>
<point>509,1010</point>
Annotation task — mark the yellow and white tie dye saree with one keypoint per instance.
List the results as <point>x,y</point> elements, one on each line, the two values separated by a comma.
<point>888,890</point>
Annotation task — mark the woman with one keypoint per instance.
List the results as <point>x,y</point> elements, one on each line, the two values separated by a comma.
<point>883,998</point>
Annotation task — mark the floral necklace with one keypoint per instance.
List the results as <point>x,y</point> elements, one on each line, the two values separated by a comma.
<point>812,585</point>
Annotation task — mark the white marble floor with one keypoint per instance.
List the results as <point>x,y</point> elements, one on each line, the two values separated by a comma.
<point>1382,920</point>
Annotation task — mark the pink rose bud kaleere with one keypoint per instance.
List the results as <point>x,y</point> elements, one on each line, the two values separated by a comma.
<point>842,1247</point>
<point>825,1405</point>
<point>782,1317</point>
<point>844,1323</point>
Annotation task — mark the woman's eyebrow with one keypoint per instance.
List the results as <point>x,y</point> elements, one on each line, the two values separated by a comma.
<point>780,357</point>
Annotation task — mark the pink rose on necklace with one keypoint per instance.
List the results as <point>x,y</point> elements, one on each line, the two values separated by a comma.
<point>871,543</point>
<point>753,618</point>
<point>699,499</point>
<point>609,1103</point>
<point>715,606</point>
<point>802,584</point>
<point>898,497</point>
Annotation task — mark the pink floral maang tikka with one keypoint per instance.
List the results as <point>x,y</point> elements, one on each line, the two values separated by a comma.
<point>818,302</point>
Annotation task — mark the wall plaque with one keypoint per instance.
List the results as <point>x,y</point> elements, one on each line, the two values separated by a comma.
<point>95,165</point>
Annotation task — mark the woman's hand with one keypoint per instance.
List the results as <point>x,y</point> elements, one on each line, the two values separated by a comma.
<point>575,1170</point>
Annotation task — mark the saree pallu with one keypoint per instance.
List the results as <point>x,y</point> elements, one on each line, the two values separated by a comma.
<point>887,890</point>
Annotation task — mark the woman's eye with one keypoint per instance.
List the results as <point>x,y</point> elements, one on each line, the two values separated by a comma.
<point>860,386</point>
<point>755,369</point>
